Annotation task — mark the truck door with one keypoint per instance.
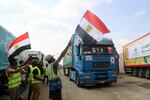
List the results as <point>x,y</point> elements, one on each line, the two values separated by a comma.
<point>78,56</point>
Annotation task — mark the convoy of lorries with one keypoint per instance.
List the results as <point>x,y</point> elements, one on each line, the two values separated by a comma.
<point>90,64</point>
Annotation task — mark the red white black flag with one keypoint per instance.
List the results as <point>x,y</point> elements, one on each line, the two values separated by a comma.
<point>91,29</point>
<point>20,44</point>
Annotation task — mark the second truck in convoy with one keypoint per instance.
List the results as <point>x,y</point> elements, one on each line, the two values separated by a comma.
<point>5,39</point>
<point>90,64</point>
<point>137,56</point>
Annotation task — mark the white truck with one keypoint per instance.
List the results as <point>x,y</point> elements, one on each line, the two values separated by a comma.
<point>35,55</point>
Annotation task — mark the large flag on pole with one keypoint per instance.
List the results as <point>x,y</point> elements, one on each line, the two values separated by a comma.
<point>91,29</point>
<point>20,44</point>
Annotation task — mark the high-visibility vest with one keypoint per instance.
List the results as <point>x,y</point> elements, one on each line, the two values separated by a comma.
<point>33,81</point>
<point>46,71</point>
<point>31,70</point>
<point>51,74</point>
<point>14,80</point>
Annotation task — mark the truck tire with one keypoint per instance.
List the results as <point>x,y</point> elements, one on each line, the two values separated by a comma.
<point>78,81</point>
<point>135,72</point>
<point>64,71</point>
<point>70,77</point>
<point>141,73</point>
<point>147,74</point>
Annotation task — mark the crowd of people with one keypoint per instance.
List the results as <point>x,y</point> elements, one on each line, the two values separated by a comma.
<point>33,74</point>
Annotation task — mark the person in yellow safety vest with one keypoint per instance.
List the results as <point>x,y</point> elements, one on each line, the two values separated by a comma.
<point>41,67</point>
<point>29,75</point>
<point>23,80</point>
<point>45,74</point>
<point>14,78</point>
<point>55,85</point>
<point>36,81</point>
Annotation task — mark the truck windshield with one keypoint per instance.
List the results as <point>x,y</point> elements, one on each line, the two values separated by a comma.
<point>98,50</point>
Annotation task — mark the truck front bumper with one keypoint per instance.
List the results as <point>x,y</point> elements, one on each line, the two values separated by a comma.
<point>94,82</point>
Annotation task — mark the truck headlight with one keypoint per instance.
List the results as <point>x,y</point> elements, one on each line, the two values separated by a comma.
<point>87,75</point>
<point>114,74</point>
<point>112,60</point>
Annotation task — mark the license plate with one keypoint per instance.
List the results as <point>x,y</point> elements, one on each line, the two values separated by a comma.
<point>102,81</point>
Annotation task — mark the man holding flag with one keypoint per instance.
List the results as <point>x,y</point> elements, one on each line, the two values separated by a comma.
<point>13,72</point>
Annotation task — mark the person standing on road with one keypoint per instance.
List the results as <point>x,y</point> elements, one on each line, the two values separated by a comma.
<point>14,78</point>
<point>41,67</point>
<point>36,81</point>
<point>23,80</point>
<point>29,75</point>
<point>45,74</point>
<point>55,85</point>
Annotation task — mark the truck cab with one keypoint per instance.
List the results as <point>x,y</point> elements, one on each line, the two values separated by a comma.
<point>92,64</point>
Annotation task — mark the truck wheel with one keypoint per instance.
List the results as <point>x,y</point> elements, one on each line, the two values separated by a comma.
<point>147,74</point>
<point>78,81</point>
<point>140,73</point>
<point>135,72</point>
<point>69,71</point>
<point>64,70</point>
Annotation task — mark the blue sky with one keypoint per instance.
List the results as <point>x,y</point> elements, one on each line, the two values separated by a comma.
<point>51,23</point>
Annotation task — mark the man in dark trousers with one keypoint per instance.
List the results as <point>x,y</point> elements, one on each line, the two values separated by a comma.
<point>36,80</point>
<point>45,74</point>
<point>55,84</point>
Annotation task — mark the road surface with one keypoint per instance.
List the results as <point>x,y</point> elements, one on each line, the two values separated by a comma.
<point>127,88</point>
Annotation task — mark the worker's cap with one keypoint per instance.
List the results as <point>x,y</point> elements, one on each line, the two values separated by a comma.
<point>48,57</point>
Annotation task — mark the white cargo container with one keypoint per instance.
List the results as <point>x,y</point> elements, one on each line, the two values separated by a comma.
<point>35,55</point>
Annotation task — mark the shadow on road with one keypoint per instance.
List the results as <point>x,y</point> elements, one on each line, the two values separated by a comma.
<point>98,86</point>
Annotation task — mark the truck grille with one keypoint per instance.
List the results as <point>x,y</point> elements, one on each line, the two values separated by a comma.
<point>101,65</point>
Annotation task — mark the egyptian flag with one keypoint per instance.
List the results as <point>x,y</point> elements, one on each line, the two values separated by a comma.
<point>20,44</point>
<point>91,29</point>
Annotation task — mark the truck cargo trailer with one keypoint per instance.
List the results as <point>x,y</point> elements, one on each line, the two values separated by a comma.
<point>137,57</point>
<point>5,39</point>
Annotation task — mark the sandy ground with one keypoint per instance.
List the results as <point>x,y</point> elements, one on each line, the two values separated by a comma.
<point>127,88</point>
